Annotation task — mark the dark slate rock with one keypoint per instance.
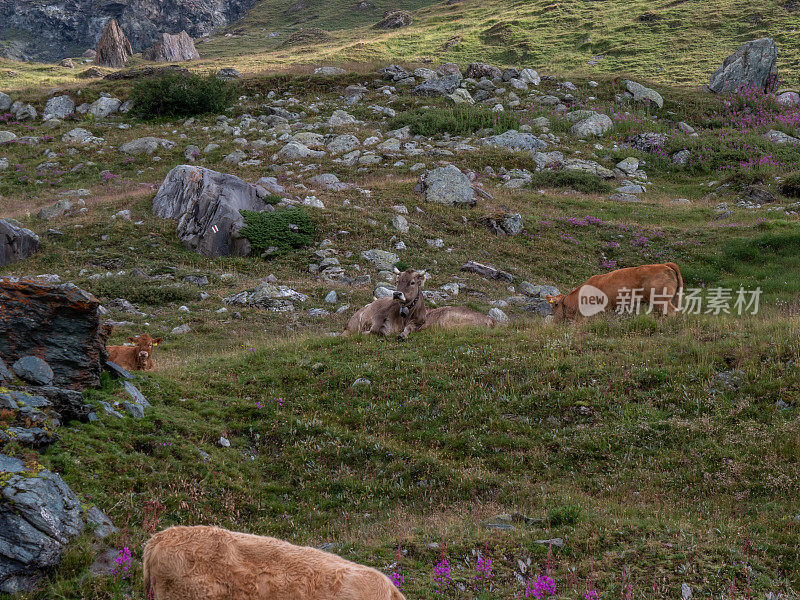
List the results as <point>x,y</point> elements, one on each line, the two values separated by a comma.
<point>32,437</point>
<point>539,306</point>
<point>135,410</point>
<point>16,243</point>
<point>70,404</point>
<point>33,370</point>
<point>102,524</point>
<point>117,371</point>
<point>487,271</point>
<point>38,516</point>
<point>5,372</point>
<point>134,393</point>
<point>32,400</point>
<point>58,323</point>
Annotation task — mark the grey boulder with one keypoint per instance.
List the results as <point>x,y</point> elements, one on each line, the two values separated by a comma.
<point>145,145</point>
<point>515,141</point>
<point>38,516</point>
<point>449,186</point>
<point>59,106</point>
<point>33,370</point>
<point>596,124</point>
<point>754,64</point>
<point>207,205</point>
<point>16,243</point>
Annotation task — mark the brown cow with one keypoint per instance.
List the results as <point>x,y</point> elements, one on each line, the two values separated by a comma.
<point>452,317</point>
<point>138,357</point>
<point>660,286</point>
<point>403,313</point>
<point>211,563</point>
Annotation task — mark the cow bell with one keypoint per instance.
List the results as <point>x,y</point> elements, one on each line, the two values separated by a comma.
<point>404,312</point>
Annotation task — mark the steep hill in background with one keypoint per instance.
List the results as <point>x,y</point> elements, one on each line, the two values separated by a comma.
<point>672,41</point>
<point>31,29</point>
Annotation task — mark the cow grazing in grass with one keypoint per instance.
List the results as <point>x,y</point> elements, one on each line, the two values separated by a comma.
<point>659,286</point>
<point>138,357</point>
<point>210,563</point>
<point>402,314</point>
<point>453,317</point>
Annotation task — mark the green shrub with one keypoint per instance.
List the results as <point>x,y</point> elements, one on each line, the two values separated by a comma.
<point>564,515</point>
<point>791,185</point>
<point>581,182</point>
<point>138,291</point>
<point>462,119</point>
<point>175,95</point>
<point>267,230</point>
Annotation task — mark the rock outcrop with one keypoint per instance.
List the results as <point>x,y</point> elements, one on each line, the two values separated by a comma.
<point>207,204</point>
<point>753,65</point>
<point>113,48</point>
<point>39,514</point>
<point>59,28</point>
<point>172,48</point>
<point>57,323</point>
<point>16,243</point>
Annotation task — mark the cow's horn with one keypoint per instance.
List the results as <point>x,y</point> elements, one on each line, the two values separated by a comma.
<point>396,270</point>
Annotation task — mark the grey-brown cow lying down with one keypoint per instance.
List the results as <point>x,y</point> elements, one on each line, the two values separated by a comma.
<point>402,314</point>
<point>452,317</point>
<point>211,563</point>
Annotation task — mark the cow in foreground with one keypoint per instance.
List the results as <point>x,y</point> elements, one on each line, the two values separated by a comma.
<point>138,357</point>
<point>660,286</point>
<point>402,314</point>
<point>453,317</point>
<point>211,563</point>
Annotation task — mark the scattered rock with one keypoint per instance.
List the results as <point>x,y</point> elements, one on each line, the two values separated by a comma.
<point>499,316</point>
<point>448,186</point>
<point>596,124</point>
<point>59,106</point>
<point>172,48</point>
<point>394,19</point>
<point>487,271</point>
<point>753,65</point>
<point>16,243</point>
<point>113,49</point>
<point>145,145</point>
<point>644,94</point>
<point>380,259</point>
<point>279,298</point>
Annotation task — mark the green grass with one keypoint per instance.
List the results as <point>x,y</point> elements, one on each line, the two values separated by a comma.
<point>616,435</point>
<point>581,182</point>
<point>460,119</point>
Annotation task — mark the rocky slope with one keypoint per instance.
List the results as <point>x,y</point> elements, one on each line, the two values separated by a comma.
<point>33,29</point>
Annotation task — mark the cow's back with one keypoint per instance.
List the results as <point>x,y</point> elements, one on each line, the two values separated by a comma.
<point>450,317</point>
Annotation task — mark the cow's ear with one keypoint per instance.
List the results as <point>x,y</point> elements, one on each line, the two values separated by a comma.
<point>157,341</point>
<point>133,340</point>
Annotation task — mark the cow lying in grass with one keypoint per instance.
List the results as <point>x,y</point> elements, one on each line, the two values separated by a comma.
<point>660,286</point>
<point>210,563</point>
<point>138,357</point>
<point>402,314</point>
<point>453,317</point>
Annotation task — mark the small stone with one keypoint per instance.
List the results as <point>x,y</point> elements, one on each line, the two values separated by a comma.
<point>499,316</point>
<point>224,442</point>
<point>361,381</point>
<point>332,297</point>
<point>33,370</point>
<point>180,329</point>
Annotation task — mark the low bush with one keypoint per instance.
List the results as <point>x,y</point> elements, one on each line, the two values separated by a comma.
<point>285,230</point>
<point>135,290</point>
<point>176,95</point>
<point>459,120</point>
<point>791,185</point>
<point>581,182</point>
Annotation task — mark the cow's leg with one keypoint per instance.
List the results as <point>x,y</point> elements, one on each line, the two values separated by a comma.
<point>408,329</point>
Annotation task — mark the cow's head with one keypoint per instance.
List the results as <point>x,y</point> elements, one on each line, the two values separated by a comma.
<point>409,287</point>
<point>144,347</point>
<point>560,310</point>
